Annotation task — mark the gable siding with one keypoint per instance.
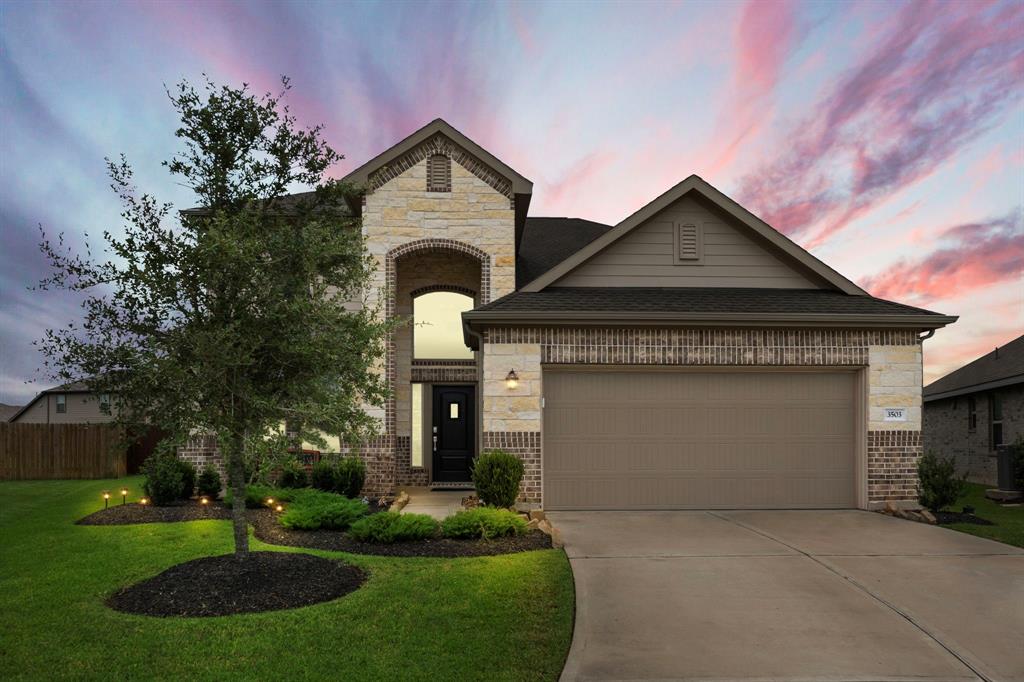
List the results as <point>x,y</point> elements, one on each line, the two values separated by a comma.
<point>646,258</point>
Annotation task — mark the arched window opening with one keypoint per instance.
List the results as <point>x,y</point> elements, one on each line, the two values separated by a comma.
<point>437,326</point>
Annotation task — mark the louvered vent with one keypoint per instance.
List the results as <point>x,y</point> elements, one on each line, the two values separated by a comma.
<point>439,173</point>
<point>688,242</point>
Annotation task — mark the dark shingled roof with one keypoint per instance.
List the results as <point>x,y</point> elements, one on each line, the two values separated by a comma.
<point>548,241</point>
<point>1004,364</point>
<point>697,300</point>
<point>8,411</point>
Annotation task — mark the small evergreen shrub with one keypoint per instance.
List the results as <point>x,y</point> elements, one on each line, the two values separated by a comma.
<point>350,476</point>
<point>940,486</point>
<point>163,482</point>
<point>483,522</point>
<point>257,494</point>
<point>496,475</point>
<point>293,474</point>
<point>188,478</point>
<point>324,476</point>
<point>209,482</point>
<point>322,511</point>
<point>389,527</point>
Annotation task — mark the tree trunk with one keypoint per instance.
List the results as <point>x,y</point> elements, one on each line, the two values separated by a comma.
<point>236,475</point>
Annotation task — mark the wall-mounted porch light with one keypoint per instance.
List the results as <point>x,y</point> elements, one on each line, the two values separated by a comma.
<point>511,379</point>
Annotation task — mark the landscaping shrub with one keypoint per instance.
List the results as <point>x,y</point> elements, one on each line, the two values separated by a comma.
<point>209,482</point>
<point>350,476</point>
<point>496,475</point>
<point>483,522</point>
<point>389,527</point>
<point>188,478</point>
<point>316,510</point>
<point>256,495</point>
<point>940,486</point>
<point>324,476</point>
<point>163,482</point>
<point>293,475</point>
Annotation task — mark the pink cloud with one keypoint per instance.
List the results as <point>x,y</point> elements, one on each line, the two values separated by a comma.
<point>971,255</point>
<point>940,77</point>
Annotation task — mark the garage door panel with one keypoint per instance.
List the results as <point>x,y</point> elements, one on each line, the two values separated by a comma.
<point>676,440</point>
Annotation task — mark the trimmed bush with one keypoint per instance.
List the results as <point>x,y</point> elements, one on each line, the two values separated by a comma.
<point>188,478</point>
<point>940,486</point>
<point>293,475</point>
<point>324,476</point>
<point>316,510</point>
<point>256,495</point>
<point>1017,456</point>
<point>496,475</point>
<point>389,527</point>
<point>209,482</point>
<point>163,482</point>
<point>483,522</point>
<point>350,476</point>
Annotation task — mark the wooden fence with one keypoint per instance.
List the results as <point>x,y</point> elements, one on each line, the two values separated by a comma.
<point>61,451</point>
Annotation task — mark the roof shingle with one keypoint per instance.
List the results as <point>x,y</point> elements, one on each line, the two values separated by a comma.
<point>1003,363</point>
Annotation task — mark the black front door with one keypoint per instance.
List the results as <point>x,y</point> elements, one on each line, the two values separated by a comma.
<point>453,432</point>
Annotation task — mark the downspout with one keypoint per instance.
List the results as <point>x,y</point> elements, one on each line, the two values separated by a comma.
<point>929,334</point>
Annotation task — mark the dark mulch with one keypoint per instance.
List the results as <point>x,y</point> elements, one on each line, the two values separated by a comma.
<point>944,517</point>
<point>222,585</point>
<point>268,530</point>
<point>126,514</point>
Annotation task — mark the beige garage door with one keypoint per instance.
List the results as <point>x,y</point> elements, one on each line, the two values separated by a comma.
<point>685,440</point>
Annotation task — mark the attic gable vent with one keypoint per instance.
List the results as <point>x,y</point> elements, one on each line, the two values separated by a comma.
<point>689,243</point>
<point>439,173</point>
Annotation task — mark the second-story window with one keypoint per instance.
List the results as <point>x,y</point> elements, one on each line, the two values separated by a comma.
<point>105,403</point>
<point>439,173</point>
<point>62,403</point>
<point>995,411</point>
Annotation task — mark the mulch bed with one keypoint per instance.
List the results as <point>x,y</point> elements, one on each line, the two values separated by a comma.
<point>268,530</point>
<point>126,514</point>
<point>945,517</point>
<point>223,585</point>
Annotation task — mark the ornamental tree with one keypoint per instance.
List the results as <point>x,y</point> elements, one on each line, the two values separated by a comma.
<point>229,319</point>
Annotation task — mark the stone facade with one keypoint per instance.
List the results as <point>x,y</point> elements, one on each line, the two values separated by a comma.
<point>892,359</point>
<point>948,434</point>
<point>424,240</point>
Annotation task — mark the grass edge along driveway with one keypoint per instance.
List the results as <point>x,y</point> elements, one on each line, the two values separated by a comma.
<point>496,618</point>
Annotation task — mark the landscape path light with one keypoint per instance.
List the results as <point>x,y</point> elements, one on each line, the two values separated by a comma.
<point>106,499</point>
<point>124,496</point>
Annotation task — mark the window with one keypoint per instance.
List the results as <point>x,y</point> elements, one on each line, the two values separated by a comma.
<point>972,415</point>
<point>105,403</point>
<point>453,410</point>
<point>439,173</point>
<point>417,425</point>
<point>62,403</point>
<point>995,411</point>
<point>689,243</point>
<point>437,330</point>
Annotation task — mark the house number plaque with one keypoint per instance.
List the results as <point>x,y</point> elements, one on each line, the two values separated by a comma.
<point>895,414</point>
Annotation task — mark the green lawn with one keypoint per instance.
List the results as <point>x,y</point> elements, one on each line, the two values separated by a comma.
<point>1009,521</point>
<point>495,618</point>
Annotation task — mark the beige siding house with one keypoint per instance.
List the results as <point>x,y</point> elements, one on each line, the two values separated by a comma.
<point>67,404</point>
<point>689,356</point>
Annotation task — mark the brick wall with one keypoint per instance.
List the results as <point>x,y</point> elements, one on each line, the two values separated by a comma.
<point>946,431</point>
<point>892,359</point>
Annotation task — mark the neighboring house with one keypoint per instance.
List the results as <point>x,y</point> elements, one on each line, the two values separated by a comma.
<point>68,404</point>
<point>8,411</point>
<point>972,411</point>
<point>689,356</point>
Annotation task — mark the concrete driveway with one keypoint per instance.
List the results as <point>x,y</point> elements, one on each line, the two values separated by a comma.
<point>789,595</point>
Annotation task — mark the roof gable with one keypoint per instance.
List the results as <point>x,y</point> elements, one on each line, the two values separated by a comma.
<point>432,136</point>
<point>772,241</point>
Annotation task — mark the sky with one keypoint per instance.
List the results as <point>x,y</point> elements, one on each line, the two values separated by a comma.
<point>887,138</point>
